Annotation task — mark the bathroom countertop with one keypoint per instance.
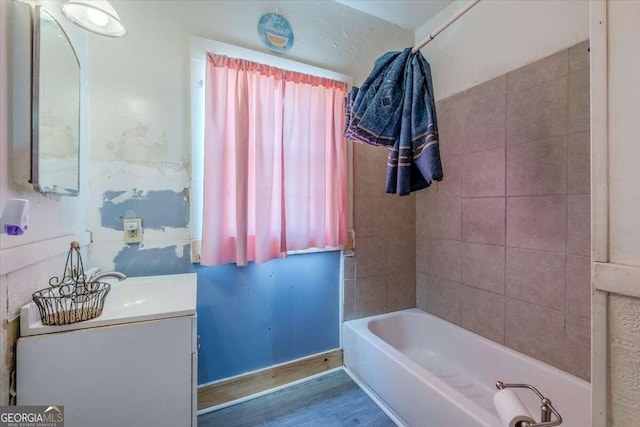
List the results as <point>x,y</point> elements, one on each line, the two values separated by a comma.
<point>134,299</point>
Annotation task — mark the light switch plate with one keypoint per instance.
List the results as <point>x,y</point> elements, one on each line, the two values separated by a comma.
<point>132,228</point>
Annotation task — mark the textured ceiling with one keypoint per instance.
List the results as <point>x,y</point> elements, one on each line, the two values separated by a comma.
<point>408,14</point>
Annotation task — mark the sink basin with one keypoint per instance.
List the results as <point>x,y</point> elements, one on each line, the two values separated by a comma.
<point>135,299</point>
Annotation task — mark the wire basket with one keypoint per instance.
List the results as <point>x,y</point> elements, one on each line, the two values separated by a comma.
<point>73,298</point>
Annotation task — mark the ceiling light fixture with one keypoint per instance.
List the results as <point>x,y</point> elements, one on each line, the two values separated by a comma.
<point>97,16</point>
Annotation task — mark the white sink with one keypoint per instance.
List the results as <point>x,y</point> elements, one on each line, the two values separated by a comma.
<point>134,299</point>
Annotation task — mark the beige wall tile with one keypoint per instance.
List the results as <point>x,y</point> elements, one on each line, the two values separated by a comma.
<point>537,277</point>
<point>537,222</point>
<point>494,90</point>
<point>369,170</point>
<point>445,259</point>
<point>401,290</point>
<point>537,168</point>
<point>445,218</point>
<point>578,120</point>
<point>423,193</point>
<point>421,291</point>
<point>349,267</point>
<point>424,210</point>
<point>579,56</point>
<point>401,254</point>
<point>483,220</point>
<point>483,313</point>
<point>579,224</point>
<point>451,184</point>
<point>483,127</point>
<point>371,295</point>
<point>371,256</point>
<point>579,163</point>
<point>578,347</point>
<point>370,216</point>
<point>483,174</point>
<point>483,267</point>
<point>451,113</point>
<point>536,331</point>
<point>443,298</point>
<point>537,113</point>
<point>474,119</point>
<point>400,218</point>
<point>542,71</point>
<point>422,255</point>
<point>349,299</point>
<point>579,286</point>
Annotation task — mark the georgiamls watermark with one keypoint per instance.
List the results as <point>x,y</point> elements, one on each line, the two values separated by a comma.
<point>32,416</point>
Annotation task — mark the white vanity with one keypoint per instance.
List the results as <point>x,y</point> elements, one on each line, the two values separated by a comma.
<point>134,365</point>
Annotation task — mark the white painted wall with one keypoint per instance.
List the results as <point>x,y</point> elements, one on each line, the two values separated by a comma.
<point>140,88</point>
<point>29,260</point>
<point>615,92</point>
<point>496,37</point>
<point>624,132</point>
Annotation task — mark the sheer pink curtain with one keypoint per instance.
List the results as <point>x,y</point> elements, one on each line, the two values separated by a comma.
<point>315,158</point>
<point>275,162</point>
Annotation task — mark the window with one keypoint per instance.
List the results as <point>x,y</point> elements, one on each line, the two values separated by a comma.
<point>275,162</point>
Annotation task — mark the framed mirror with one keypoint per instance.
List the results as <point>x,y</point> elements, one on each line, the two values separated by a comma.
<point>55,154</point>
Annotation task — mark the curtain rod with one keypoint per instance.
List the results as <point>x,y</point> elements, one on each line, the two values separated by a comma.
<point>442,27</point>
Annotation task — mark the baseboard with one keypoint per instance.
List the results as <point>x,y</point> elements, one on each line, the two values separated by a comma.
<point>236,388</point>
<point>266,392</point>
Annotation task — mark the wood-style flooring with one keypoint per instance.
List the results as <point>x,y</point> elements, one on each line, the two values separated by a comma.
<point>332,400</point>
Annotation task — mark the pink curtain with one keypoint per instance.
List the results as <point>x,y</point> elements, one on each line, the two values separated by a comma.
<point>275,162</point>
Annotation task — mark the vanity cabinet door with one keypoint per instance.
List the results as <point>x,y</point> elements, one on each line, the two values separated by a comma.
<point>137,374</point>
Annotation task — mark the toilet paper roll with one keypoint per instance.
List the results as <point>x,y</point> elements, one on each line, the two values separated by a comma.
<point>510,408</point>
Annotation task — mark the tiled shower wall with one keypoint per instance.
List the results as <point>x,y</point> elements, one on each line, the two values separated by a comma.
<point>503,242</point>
<point>381,276</point>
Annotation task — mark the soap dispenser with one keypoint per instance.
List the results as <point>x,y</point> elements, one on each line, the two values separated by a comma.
<point>15,217</point>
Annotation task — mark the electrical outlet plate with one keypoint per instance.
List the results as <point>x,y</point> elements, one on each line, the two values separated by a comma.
<point>132,229</point>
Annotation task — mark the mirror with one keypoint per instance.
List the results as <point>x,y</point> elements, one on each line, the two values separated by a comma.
<point>56,109</point>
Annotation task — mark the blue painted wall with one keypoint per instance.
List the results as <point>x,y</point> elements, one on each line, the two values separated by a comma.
<point>256,316</point>
<point>263,314</point>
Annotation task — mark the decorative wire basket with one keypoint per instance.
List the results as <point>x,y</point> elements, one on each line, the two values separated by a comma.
<point>73,298</point>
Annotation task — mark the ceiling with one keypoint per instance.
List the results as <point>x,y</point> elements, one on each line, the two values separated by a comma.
<point>405,13</point>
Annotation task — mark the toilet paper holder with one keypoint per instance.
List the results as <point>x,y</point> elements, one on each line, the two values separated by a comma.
<point>546,409</point>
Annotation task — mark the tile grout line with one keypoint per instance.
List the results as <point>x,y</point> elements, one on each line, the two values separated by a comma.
<point>566,261</point>
<point>463,154</point>
<point>506,147</point>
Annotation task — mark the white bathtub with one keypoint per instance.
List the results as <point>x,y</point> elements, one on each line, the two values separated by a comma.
<point>429,372</point>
